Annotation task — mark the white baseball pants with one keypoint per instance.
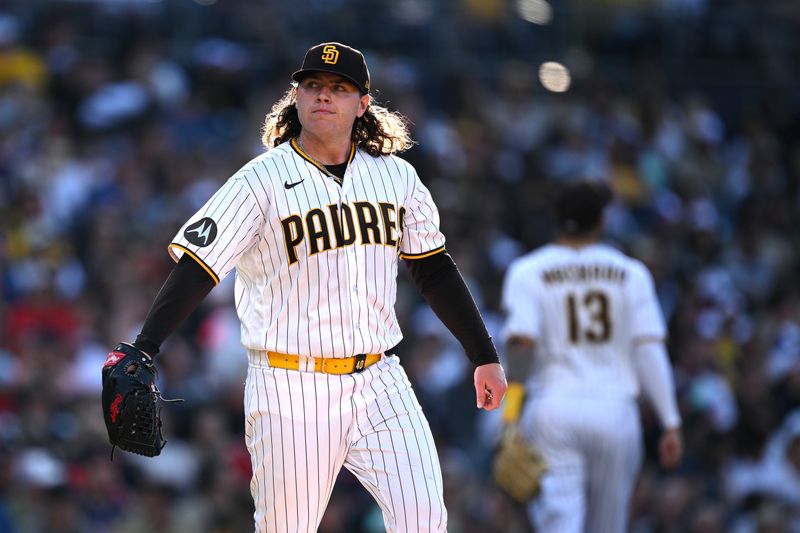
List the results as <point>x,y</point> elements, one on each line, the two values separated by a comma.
<point>302,427</point>
<point>593,449</point>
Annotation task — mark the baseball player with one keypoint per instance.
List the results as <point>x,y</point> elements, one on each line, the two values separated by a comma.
<point>584,323</point>
<point>315,228</point>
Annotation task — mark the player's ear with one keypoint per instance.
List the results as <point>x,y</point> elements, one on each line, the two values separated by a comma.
<point>363,104</point>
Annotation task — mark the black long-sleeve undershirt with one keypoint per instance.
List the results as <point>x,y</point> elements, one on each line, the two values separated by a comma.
<point>438,279</point>
<point>186,286</point>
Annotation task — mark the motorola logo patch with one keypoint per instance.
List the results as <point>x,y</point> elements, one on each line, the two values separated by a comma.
<point>201,233</point>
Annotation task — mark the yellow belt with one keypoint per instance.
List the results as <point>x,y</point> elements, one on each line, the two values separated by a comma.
<point>327,365</point>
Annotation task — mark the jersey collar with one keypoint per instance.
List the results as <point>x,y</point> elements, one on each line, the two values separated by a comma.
<point>307,157</point>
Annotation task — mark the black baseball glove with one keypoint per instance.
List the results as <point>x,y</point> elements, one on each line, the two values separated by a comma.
<point>130,402</point>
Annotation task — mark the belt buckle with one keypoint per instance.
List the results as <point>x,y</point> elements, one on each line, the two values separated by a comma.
<point>361,361</point>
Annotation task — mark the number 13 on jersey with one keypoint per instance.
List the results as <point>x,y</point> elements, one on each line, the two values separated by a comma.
<point>589,317</point>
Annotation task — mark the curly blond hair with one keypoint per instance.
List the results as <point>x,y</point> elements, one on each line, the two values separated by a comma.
<point>378,131</point>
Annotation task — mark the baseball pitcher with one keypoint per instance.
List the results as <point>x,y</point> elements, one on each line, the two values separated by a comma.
<point>315,228</point>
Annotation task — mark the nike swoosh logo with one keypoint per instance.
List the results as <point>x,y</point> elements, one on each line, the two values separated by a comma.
<point>288,185</point>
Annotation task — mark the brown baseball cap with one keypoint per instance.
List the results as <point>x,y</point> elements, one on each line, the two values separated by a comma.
<point>336,58</point>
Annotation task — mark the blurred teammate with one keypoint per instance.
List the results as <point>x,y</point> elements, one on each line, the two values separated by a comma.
<point>315,228</point>
<point>584,324</point>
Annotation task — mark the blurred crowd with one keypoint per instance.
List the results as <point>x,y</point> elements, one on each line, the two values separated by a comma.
<point>118,119</point>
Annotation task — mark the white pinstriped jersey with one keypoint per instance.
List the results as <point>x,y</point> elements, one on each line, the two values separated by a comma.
<point>316,262</point>
<point>585,307</point>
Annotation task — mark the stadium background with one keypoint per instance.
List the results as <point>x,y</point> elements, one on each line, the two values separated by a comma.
<point>119,118</point>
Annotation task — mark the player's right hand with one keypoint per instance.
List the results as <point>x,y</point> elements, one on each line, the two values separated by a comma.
<point>670,448</point>
<point>490,385</point>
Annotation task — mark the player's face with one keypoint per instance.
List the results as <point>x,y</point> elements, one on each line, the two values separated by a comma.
<point>328,104</point>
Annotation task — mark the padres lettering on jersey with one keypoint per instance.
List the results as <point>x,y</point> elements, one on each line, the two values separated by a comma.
<point>377,224</point>
<point>316,261</point>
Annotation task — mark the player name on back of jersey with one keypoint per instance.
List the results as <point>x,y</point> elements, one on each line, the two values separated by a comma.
<point>585,272</point>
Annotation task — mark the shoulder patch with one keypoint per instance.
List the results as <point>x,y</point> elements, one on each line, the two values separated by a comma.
<point>201,233</point>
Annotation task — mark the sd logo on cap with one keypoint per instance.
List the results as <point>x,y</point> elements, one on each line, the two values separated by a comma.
<point>330,54</point>
<point>336,58</point>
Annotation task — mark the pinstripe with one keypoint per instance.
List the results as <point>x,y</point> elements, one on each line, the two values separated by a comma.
<point>405,173</point>
<point>386,297</point>
<point>436,498</point>
<point>393,273</point>
<point>359,301</point>
<point>307,285</point>
<point>268,286</point>
<point>280,451</point>
<point>400,477</point>
<point>337,446</point>
<point>332,465</point>
<point>295,315</point>
<point>255,196</point>
<point>228,265</point>
<point>304,441</point>
<point>250,435</point>
<point>260,474</point>
<point>295,462</point>
<point>281,513</point>
<point>319,284</point>
<point>416,430</point>
<point>253,448</point>
<point>435,467</point>
<point>347,314</point>
<point>376,431</point>
<point>373,463</point>
<point>320,459</point>
<point>219,209</point>
<point>417,218</point>
<point>371,276</point>
<point>259,450</point>
<point>239,294</point>
<point>286,274</point>
<point>400,378</point>
<point>370,484</point>
<point>218,201</point>
<point>385,411</point>
<point>281,286</point>
<point>254,437</point>
<point>339,297</point>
